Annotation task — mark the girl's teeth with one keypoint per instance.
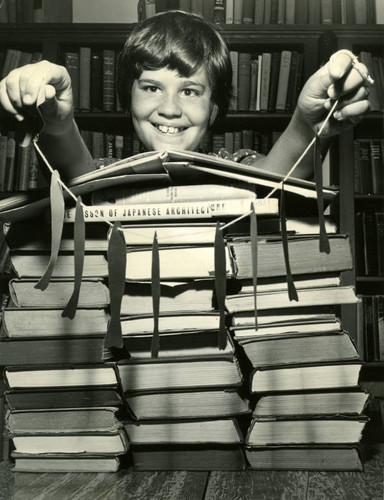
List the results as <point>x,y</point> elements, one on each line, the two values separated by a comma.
<point>168,130</point>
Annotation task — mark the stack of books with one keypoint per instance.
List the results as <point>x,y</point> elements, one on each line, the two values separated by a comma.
<point>184,408</point>
<point>303,366</point>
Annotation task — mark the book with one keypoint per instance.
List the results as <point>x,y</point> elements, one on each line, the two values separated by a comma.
<point>188,458</point>
<point>299,457</point>
<point>109,79</point>
<point>290,430</point>
<point>283,80</point>
<point>185,405</point>
<point>95,11</point>
<point>223,431</point>
<point>72,63</point>
<point>85,78</point>
<point>96,83</point>
<point>313,348</point>
<point>313,403</point>
<point>57,11</point>
<point>38,322</point>
<point>279,319</point>
<point>297,225</point>
<point>88,350</point>
<point>366,244</point>
<point>305,377</point>
<point>379,218</point>
<point>377,163</point>
<point>266,285</point>
<point>265,80</point>
<point>176,297</point>
<point>3,161</point>
<point>191,374</point>
<point>62,444</point>
<point>23,294</point>
<point>244,77</point>
<point>63,398</point>
<point>34,265</point>
<point>10,162</point>
<point>11,61</point>
<point>168,234</point>
<point>307,297</point>
<point>66,464</point>
<point>59,377</point>
<point>301,256</point>
<point>60,421</point>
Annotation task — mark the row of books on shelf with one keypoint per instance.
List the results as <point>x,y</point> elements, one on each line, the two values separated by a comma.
<point>369,243</point>
<point>218,11</point>
<point>270,81</point>
<point>19,170</point>
<point>375,65</point>
<point>369,166</point>
<point>273,11</point>
<point>370,318</point>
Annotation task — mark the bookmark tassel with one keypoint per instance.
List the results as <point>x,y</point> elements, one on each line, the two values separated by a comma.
<point>117,257</point>
<point>155,288</point>
<point>79,249</point>
<point>292,293</point>
<point>253,233</point>
<point>220,284</point>
<point>323,237</point>
<point>57,221</point>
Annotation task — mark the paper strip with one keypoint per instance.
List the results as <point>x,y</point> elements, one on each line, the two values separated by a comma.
<point>318,170</point>
<point>155,288</point>
<point>220,284</point>
<point>253,233</point>
<point>79,249</point>
<point>292,293</point>
<point>57,221</point>
<point>117,257</point>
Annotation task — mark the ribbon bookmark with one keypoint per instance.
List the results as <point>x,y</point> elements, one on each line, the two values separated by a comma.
<point>253,233</point>
<point>79,244</point>
<point>155,287</point>
<point>220,284</point>
<point>57,221</point>
<point>117,258</point>
<point>292,293</point>
<point>318,170</point>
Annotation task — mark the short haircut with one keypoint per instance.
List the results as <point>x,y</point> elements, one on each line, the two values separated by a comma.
<point>179,41</point>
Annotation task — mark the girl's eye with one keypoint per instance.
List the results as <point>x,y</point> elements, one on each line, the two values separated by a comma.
<point>151,88</point>
<point>190,92</point>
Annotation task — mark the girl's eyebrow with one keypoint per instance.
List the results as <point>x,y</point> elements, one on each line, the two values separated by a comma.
<point>157,83</point>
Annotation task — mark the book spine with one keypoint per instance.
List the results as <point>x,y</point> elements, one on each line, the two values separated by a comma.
<point>209,10</point>
<point>326,12</point>
<point>290,7</point>
<point>379,218</point>
<point>234,55</point>
<point>360,10</point>
<point>244,80</point>
<point>10,162</point>
<point>253,84</point>
<point>285,65</point>
<point>3,161</point>
<point>72,63</point>
<point>377,165</point>
<point>259,12</point>
<point>108,80</point>
<point>228,11</point>
<point>24,159</point>
<point>265,80</point>
<point>238,11</point>
<point>85,78</point>
<point>248,11</point>
<point>191,210</point>
<point>33,178</point>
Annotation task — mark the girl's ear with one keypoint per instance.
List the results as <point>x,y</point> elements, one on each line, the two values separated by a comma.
<point>214,113</point>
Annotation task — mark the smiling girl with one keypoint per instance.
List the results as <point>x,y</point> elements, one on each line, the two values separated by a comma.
<point>175,81</point>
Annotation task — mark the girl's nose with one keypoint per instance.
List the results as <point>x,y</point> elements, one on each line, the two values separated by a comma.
<point>169,106</point>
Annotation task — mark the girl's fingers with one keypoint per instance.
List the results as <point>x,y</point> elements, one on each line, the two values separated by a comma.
<point>355,110</point>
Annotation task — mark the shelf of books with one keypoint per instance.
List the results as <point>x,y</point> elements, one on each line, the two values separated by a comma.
<point>202,380</point>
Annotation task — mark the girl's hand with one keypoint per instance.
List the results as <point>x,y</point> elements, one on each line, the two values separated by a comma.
<point>43,84</point>
<point>343,78</point>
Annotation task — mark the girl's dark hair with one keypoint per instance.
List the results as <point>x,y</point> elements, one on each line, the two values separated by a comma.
<point>179,41</point>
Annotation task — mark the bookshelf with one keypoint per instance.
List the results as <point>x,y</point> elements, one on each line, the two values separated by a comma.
<point>315,41</point>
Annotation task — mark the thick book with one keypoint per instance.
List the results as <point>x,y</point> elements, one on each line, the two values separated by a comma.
<point>71,444</point>
<point>338,429</point>
<point>219,431</point>
<point>40,323</point>
<point>187,404</point>
<point>59,377</point>
<point>300,457</point>
<point>175,297</point>
<point>66,464</point>
<point>307,297</point>
<point>186,374</point>
<point>304,377</point>
<point>311,403</point>
<point>304,256</point>
<point>63,398</point>
<point>94,294</point>
<point>313,347</point>
<point>60,421</point>
<point>88,350</point>
<point>32,265</point>
<point>188,458</point>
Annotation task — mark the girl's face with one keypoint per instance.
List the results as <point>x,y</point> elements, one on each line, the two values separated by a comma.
<point>170,111</point>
